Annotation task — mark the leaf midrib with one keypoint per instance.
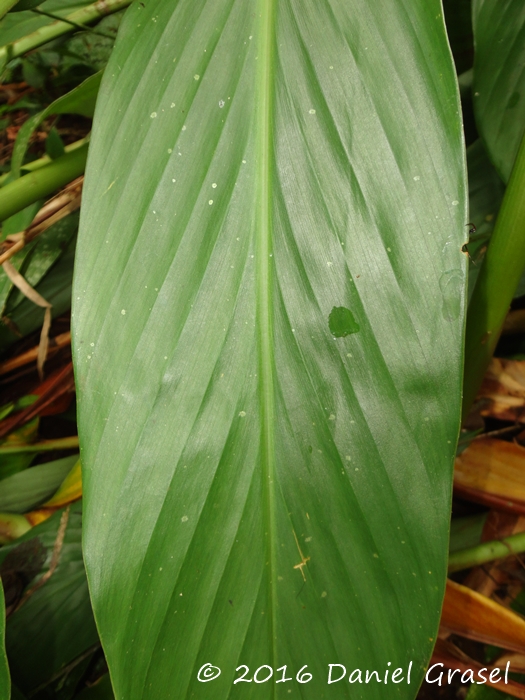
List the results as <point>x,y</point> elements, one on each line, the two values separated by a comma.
<point>263,291</point>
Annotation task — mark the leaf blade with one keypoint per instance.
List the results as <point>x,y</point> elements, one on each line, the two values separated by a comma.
<point>253,173</point>
<point>499,79</point>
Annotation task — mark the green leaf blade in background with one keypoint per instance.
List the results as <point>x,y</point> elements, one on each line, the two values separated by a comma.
<point>257,490</point>
<point>15,25</point>
<point>5,682</point>
<point>54,629</point>
<point>81,100</point>
<point>499,78</point>
<point>27,489</point>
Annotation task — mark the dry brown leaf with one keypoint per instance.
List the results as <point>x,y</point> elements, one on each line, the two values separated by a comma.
<point>503,390</point>
<point>59,341</point>
<point>477,617</point>
<point>494,470</point>
<point>452,658</point>
<point>494,579</point>
<point>28,291</point>
<point>61,205</point>
<point>516,661</point>
<point>59,383</point>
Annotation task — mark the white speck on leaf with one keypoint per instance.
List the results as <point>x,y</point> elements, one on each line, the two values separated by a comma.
<point>221,103</point>
<point>242,414</point>
<point>184,519</point>
<point>196,76</point>
<point>153,115</point>
<point>123,312</point>
<point>311,111</point>
<point>455,203</point>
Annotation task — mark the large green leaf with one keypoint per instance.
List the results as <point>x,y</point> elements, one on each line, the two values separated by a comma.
<point>261,490</point>
<point>499,78</point>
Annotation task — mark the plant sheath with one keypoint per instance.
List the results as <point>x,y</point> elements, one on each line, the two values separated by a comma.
<point>19,194</point>
<point>486,551</point>
<point>497,282</point>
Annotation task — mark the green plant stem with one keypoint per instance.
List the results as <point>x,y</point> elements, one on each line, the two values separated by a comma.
<point>67,443</point>
<point>485,552</point>
<point>19,194</point>
<point>76,25</point>
<point>45,160</point>
<point>5,6</point>
<point>52,31</point>
<point>497,282</point>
